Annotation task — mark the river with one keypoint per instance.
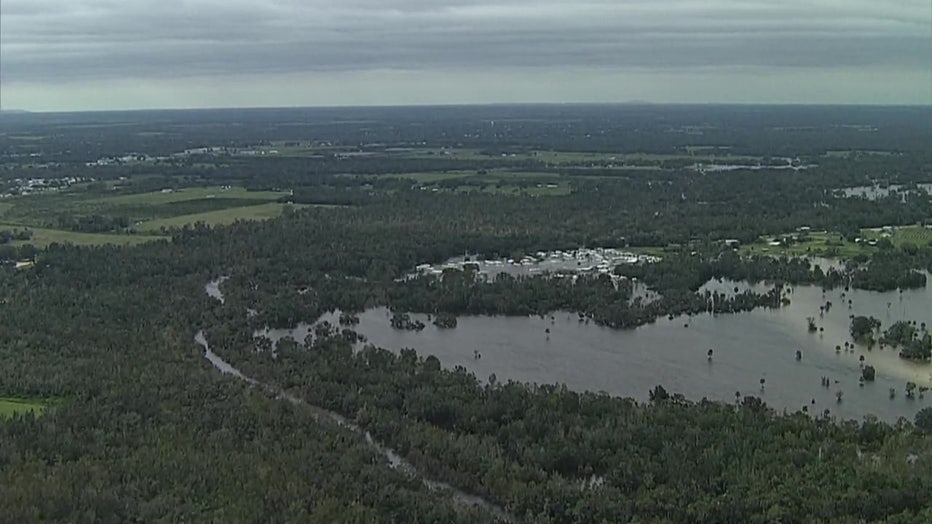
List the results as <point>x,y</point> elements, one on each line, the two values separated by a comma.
<point>395,460</point>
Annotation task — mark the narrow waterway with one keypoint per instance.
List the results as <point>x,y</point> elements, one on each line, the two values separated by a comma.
<point>395,460</point>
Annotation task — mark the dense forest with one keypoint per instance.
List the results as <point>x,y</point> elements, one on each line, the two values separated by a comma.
<point>139,426</point>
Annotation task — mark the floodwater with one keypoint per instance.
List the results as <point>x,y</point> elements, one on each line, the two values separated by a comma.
<point>213,288</point>
<point>747,347</point>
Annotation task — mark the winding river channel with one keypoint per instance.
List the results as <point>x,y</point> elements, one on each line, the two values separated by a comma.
<point>326,416</point>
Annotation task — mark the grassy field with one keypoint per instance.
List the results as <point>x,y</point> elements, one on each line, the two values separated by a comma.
<point>507,189</point>
<point>834,245</point>
<point>571,158</point>
<point>657,251</point>
<point>64,209</point>
<point>856,152</point>
<point>43,237</point>
<point>920,236</point>
<point>53,216</point>
<point>191,193</point>
<point>819,244</point>
<point>428,177</point>
<point>220,217</point>
<point>11,406</point>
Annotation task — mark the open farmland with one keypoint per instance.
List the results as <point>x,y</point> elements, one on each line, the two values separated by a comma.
<point>86,217</point>
<point>44,237</point>
<point>189,193</point>
<point>19,406</point>
<point>220,217</point>
<point>833,244</point>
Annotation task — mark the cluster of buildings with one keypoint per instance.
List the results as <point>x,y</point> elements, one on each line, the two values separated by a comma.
<point>133,158</point>
<point>26,186</point>
<point>130,158</point>
<point>557,263</point>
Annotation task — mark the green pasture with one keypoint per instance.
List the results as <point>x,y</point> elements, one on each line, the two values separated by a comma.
<point>43,237</point>
<point>10,406</point>
<point>219,217</point>
<point>189,193</point>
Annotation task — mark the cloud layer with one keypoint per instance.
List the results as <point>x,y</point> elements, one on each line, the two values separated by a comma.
<point>54,40</point>
<point>47,42</point>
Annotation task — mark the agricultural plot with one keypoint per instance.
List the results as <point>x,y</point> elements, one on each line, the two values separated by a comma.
<point>186,194</point>
<point>100,217</point>
<point>582,159</point>
<point>220,217</point>
<point>13,406</point>
<point>43,237</point>
<point>916,235</point>
<point>72,210</point>
<point>829,244</point>
<point>820,243</point>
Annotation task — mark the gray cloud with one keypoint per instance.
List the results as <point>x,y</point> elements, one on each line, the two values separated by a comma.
<point>50,41</point>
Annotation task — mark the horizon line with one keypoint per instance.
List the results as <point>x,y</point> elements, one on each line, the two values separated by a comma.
<point>632,103</point>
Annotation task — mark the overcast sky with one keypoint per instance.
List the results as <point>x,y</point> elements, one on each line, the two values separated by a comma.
<point>114,54</point>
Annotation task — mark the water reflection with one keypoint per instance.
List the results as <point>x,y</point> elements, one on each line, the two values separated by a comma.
<point>213,288</point>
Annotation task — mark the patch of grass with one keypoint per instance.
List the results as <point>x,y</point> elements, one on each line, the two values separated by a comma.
<point>576,158</point>
<point>917,235</point>
<point>490,176</point>
<point>183,207</point>
<point>10,406</point>
<point>43,237</point>
<point>856,152</point>
<point>820,243</point>
<point>220,217</point>
<point>60,209</point>
<point>189,193</point>
<point>428,177</point>
<point>508,189</point>
<point>548,190</point>
<point>657,251</point>
<point>692,150</point>
<point>833,245</point>
<point>531,175</point>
